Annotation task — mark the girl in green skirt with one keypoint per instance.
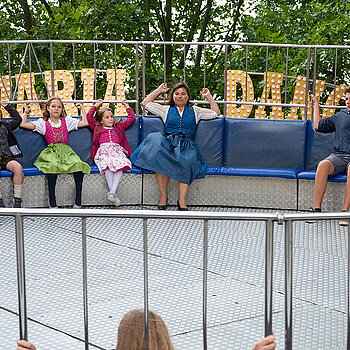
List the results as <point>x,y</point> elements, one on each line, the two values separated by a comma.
<point>58,157</point>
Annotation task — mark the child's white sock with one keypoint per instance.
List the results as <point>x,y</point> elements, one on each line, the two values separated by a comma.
<point>17,191</point>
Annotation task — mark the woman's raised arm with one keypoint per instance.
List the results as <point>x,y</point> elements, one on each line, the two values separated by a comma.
<point>213,105</point>
<point>162,88</point>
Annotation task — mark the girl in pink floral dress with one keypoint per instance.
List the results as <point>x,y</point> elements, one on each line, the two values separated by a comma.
<point>110,148</point>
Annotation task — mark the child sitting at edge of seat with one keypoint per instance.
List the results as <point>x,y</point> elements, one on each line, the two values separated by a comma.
<point>9,149</point>
<point>58,157</point>
<point>110,148</point>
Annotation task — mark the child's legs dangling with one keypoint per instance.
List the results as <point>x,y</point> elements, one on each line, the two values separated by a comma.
<point>109,178</point>
<point>116,179</point>
<point>78,179</point>
<point>51,180</point>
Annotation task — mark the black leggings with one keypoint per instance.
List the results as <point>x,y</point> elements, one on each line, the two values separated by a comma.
<point>52,179</point>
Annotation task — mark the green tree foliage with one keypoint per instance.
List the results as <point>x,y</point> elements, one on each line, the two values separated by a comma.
<point>316,22</point>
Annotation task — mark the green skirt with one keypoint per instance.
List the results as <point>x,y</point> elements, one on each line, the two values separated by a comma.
<point>59,158</point>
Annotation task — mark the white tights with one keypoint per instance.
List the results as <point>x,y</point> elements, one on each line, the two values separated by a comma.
<point>113,179</point>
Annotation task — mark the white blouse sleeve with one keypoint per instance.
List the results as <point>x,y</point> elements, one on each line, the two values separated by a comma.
<point>158,109</point>
<point>72,123</point>
<point>204,113</point>
<point>39,126</point>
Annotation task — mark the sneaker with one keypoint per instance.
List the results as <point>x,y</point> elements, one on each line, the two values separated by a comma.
<point>76,206</point>
<point>314,210</point>
<point>343,222</point>
<point>117,202</point>
<point>2,205</point>
<point>110,197</point>
<point>17,202</point>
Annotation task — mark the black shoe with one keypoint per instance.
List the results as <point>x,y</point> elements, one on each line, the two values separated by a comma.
<point>181,208</point>
<point>17,202</point>
<point>163,207</point>
<point>2,205</point>
<point>313,210</point>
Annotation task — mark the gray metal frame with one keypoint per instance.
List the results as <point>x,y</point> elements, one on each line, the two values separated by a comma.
<point>29,47</point>
<point>146,215</point>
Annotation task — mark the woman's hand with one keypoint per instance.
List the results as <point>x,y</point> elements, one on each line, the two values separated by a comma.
<point>99,103</point>
<point>125,104</point>
<point>26,108</point>
<point>25,345</point>
<point>213,105</point>
<point>267,343</point>
<point>314,99</point>
<point>163,88</point>
<point>205,93</point>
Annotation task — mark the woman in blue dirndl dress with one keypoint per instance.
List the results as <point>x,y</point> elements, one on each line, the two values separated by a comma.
<point>174,154</point>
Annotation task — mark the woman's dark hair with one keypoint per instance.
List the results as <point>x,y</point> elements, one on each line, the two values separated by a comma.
<point>179,85</point>
<point>46,114</point>
<point>347,90</point>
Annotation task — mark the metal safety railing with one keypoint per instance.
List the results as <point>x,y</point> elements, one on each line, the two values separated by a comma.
<point>269,218</point>
<point>139,49</point>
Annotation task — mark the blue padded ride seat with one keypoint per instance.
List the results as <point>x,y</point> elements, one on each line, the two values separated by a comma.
<point>310,175</point>
<point>210,140</point>
<point>134,170</point>
<point>319,146</point>
<point>265,144</point>
<point>31,144</point>
<point>150,124</point>
<point>252,172</point>
<point>209,137</point>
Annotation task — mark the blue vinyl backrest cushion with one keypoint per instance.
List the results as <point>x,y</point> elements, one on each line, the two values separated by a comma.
<point>319,146</point>
<point>210,140</point>
<point>150,124</point>
<point>265,143</point>
<point>209,136</point>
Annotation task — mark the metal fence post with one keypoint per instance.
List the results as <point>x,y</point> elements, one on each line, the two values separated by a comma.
<point>137,97</point>
<point>52,70</point>
<point>268,277</point>
<point>348,310</point>
<point>307,82</point>
<point>21,280</point>
<point>288,283</point>
<point>145,282</point>
<point>143,76</point>
<point>205,283</point>
<point>85,296</point>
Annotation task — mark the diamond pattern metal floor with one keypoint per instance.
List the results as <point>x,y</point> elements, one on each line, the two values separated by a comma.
<point>115,281</point>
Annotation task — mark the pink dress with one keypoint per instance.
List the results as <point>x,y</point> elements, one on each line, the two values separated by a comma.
<point>110,155</point>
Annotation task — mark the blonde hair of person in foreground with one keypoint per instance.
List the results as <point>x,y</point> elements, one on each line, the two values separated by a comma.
<point>131,334</point>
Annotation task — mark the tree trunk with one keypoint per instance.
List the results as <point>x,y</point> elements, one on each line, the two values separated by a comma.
<point>191,33</point>
<point>231,34</point>
<point>48,9</point>
<point>28,18</point>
